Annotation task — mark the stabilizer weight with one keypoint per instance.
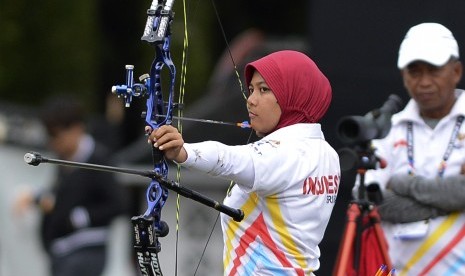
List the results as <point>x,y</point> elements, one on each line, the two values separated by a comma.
<point>33,158</point>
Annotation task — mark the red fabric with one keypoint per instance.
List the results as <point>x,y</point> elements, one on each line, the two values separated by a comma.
<point>371,257</point>
<point>302,91</point>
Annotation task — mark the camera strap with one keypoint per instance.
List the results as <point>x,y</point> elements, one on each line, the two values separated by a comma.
<point>449,149</point>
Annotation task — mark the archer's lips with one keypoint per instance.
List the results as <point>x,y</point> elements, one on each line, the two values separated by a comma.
<point>252,115</point>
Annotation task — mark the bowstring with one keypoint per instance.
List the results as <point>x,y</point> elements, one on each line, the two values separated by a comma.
<point>180,114</point>
<point>241,88</point>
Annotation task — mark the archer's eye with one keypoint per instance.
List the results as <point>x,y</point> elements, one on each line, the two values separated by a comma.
<point>264,89</point>
<point>250,90</point>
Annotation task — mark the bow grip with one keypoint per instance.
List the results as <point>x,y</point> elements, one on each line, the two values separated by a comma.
<point>157,156</point>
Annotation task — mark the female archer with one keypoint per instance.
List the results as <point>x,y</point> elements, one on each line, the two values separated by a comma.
<point>286,182</point>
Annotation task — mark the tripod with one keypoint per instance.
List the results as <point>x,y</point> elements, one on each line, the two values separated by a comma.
<point>362,227</point>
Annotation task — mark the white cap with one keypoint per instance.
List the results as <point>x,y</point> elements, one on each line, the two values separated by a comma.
<point>429,42</point>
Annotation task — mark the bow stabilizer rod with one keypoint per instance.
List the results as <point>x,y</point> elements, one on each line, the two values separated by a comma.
<point>35,159</point>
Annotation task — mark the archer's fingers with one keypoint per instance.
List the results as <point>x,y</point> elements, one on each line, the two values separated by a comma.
<point>170,145</point>
<point>169,140</point>
<point>155,135</point>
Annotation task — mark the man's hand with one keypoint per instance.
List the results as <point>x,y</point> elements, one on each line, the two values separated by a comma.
<point>26,199</point>
<point>23,201</point>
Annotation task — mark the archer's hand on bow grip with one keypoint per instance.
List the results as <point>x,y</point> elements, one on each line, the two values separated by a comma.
<point>168,139</point>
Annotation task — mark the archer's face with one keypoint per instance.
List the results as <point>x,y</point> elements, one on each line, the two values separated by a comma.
<point>264,111</point>
<point>432,87</point>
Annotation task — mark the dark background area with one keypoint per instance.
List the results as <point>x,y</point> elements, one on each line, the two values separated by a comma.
<point>81,47</point>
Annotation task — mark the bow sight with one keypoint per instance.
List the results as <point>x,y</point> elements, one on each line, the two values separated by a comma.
<point>131,89</point>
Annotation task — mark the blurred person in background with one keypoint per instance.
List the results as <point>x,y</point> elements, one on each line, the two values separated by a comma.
<point>423,186</point>
<point>81,204</point>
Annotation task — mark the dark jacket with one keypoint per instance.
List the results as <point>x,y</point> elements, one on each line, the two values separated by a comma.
<point>94,192</point>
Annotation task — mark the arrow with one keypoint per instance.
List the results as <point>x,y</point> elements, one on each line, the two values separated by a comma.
<point>244,124</point>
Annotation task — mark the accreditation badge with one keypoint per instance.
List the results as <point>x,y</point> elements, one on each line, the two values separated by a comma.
<point>412,230</point>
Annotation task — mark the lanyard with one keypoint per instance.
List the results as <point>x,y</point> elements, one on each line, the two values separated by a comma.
<point>449,149</point>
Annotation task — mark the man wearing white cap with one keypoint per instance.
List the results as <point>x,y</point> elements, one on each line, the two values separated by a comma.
<point>423,184</point>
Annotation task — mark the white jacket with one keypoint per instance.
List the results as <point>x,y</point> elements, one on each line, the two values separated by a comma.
<point>287,185</point>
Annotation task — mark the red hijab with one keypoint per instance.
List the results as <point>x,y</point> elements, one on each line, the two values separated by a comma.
<point>302,91</point>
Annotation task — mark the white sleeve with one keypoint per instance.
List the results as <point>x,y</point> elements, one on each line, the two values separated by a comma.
<point>217,159</point>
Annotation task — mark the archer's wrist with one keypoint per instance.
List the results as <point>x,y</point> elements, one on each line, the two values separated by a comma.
<point>182,156</point>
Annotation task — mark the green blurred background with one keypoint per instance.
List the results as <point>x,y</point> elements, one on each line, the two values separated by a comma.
<point>81,47</point>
